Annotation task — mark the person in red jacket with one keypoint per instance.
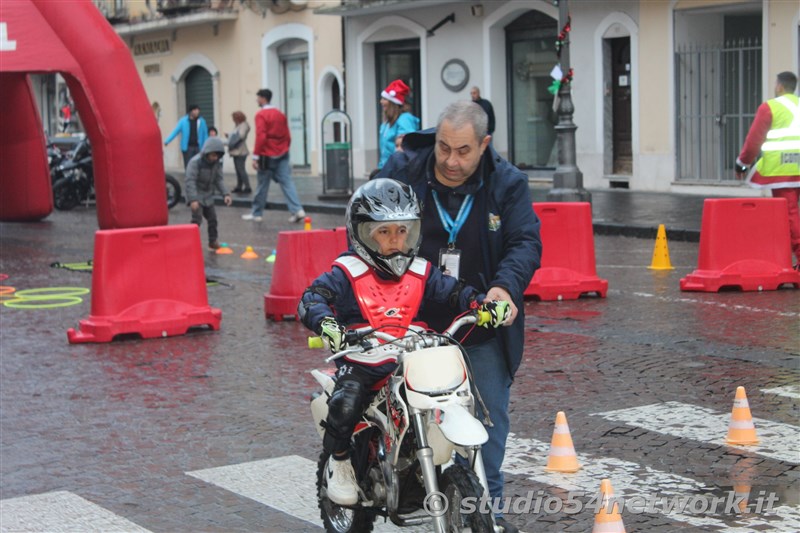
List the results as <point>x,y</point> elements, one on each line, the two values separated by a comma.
<point>271,159</point>
<point>775,133</point>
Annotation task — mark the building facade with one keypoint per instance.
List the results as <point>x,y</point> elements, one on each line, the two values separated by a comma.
<point>664,90</point>
<point>218,53</point>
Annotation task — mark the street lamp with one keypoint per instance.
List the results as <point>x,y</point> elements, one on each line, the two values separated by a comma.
<point>567,178</point>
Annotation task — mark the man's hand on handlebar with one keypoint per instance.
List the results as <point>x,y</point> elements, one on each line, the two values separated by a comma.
<point>499,311</point>
<point>498,293</point>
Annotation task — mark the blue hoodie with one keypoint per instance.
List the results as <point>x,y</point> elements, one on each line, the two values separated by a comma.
<point>183,128</point>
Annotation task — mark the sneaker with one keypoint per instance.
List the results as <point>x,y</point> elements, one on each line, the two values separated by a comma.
<point>251,216</point>
<point>341,481</point>
<point>213,246</point>
<point>297,217</point>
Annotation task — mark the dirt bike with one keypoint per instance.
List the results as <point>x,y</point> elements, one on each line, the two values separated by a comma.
<point>420,418</point>
<point>73,178</point>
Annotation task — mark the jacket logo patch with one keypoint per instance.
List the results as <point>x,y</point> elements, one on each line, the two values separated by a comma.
<point>494,222</point>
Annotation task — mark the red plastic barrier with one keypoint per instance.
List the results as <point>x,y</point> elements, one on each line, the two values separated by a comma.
<point>24,175</point>
<point>568,266</point>
<point>301,256</point>
<point>744,244</point>
<point>148,281</point>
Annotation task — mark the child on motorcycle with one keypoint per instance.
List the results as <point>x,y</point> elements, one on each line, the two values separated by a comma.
<point>381,282</point>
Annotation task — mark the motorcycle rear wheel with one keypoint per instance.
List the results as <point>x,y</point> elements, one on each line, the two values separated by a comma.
<point>457,483</point>
<point>335,518</point>
<point>173,191</point>
<point>65,197</point>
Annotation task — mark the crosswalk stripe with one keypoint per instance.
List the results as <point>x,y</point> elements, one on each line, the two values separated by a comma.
<point>60,511</point>
<point>287,484</point>
<point>527,458</point>
<point>777,441</point>
<point>789,391</point>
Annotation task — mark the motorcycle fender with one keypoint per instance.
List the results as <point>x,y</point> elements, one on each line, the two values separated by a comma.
<point>460,427</point>
<point>325,381</point>
<point>319,405</point>
<point>319,412</point>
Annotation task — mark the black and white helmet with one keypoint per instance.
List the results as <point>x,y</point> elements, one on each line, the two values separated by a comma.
<point>377,202</point>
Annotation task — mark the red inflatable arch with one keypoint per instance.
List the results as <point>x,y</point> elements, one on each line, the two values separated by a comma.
<point>74,38</point>
<point>148,277</point>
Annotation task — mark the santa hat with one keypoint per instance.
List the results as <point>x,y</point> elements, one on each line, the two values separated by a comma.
<point>396,92</point>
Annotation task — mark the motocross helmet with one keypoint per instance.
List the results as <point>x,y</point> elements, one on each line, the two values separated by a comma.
<point>378,202</point>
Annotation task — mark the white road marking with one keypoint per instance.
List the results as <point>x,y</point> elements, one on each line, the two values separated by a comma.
<point>527,458</point>
<point>56,512</point>
<point>777,441</point>
<point>718,304</point>
<point>287,484</point>
<point>789,391</point>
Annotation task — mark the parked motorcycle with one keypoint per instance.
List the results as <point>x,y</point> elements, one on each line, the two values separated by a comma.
<point>418,421</point>
<point>72,177</point>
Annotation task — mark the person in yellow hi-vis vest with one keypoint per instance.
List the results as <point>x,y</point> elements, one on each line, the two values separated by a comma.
<point>775,133</point>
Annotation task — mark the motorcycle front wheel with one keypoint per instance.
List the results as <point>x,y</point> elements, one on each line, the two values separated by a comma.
<point>173,191</point>
<point>457,483</point>
<point>335,518</point>
<point>65,197</point>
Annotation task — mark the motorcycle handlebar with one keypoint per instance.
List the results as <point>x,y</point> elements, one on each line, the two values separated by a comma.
<point>478,317</point>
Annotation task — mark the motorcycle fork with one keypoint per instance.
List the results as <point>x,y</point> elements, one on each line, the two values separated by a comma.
<point>475,459</point>
<point>425,458</point>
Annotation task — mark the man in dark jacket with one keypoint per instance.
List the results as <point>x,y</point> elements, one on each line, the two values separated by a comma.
<point>203,178</point>
<point>478,224</point>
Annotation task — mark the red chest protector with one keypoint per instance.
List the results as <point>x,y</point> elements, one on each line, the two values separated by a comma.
<point>387,303</point>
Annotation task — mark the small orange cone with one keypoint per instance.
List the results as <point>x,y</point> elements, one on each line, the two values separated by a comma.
<point>741,429</point>
<point>607,519</point>
<point>249,253</point>
<point>224,249</point>
<point>307,224</point>
<point>562,456</point>
<point>742,494</point>
<point>661,251</point>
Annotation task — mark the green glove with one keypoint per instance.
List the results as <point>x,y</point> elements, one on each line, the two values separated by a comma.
<point>499,310</point>
<point>332,334</point>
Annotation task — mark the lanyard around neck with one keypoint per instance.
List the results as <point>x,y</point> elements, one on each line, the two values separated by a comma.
<point>453,226</point>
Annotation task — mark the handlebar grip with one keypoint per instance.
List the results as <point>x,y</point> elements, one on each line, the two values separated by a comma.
<point>484,317</point>
<point>315,342</point>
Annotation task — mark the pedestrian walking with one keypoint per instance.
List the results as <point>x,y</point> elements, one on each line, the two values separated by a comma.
<point>775,133</point>
<point>237,149</point>
<point>193,131</point>
<point>203,178</point>
<point>271,159</point>
<point>478,225</point>
<point>486,105</point>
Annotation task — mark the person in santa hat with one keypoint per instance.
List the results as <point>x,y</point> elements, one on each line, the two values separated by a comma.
<point>396,122</point>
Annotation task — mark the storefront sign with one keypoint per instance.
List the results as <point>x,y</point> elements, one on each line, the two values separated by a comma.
<point>146,48</point>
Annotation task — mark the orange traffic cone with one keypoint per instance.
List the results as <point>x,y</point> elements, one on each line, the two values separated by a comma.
<point>661,251</point>
<point>607,519</point>
<point>741,429</point>
<point>249,253</point>
<point>562,456</point>
<point>307,224</point>
<point>224,249</point>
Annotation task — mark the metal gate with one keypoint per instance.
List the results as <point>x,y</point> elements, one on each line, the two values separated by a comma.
<point>717,91</point>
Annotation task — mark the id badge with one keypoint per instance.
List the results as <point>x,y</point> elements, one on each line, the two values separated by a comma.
<point>450,261</point>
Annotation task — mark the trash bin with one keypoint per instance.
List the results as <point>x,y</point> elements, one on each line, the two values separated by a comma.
<point>337,166</point>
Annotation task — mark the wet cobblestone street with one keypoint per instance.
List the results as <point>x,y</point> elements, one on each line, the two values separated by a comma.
<point>122,424</point>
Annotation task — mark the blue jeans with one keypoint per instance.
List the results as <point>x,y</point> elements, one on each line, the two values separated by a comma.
<point>276,169</point>
<point>490,375</point>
